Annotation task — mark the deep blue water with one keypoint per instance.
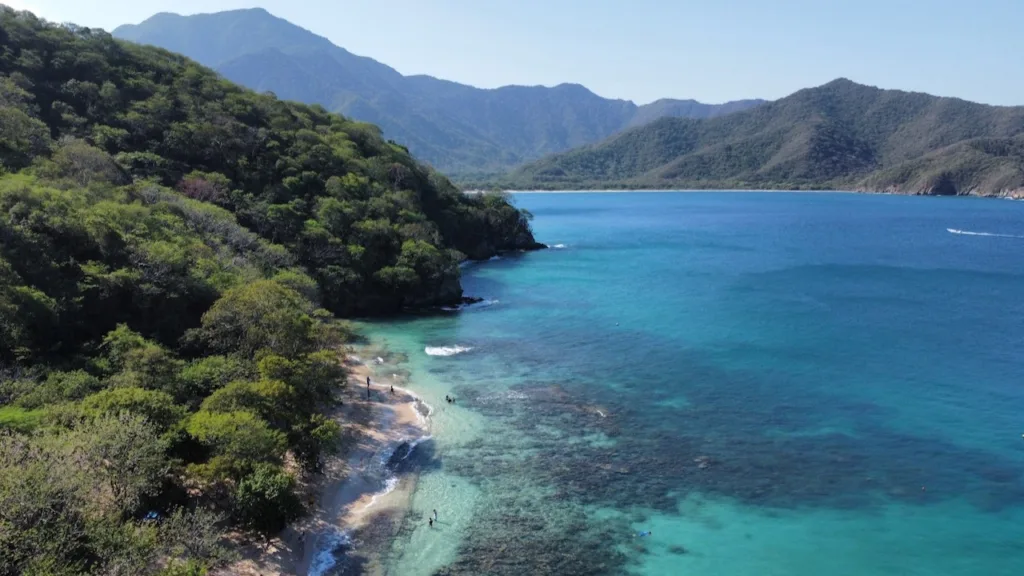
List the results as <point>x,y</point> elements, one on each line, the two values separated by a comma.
<point>773,383</point>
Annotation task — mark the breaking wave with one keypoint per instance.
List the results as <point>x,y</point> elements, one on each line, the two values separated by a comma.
<point>446,350</point>
<point>462,307</point>
<point>326,557</point>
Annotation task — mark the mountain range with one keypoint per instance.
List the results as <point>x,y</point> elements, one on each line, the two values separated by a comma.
<point>455,127</point>
<point>841,135</point>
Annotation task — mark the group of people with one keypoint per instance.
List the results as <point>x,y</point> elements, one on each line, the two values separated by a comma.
<point>449,399</point>
<point>368,388</point>
<point>433,518</point>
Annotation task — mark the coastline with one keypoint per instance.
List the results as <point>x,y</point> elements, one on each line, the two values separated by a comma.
<point>683,190</point>
<point>356,485</point>
<point>758,190</point>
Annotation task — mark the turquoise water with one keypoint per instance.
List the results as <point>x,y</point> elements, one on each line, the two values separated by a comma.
<point>794,384</point>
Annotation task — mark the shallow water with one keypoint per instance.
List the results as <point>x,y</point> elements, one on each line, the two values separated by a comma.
<point>771,383</point>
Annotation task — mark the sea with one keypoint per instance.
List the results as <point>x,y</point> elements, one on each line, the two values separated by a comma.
<point>725,383</point>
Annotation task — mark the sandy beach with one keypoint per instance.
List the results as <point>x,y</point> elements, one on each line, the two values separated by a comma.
<point>349,491</point>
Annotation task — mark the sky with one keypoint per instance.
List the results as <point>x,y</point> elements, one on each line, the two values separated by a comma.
<point>642,50</point>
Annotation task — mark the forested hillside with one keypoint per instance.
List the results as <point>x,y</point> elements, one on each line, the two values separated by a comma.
<point>458,128</point>
<point>840,135</point>
<point>173,252</point>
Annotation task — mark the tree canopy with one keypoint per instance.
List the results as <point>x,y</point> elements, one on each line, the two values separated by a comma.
<point>335,194</point>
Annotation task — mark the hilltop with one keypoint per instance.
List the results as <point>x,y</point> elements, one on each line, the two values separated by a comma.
<point>455,127</point>
<point>841,135</point>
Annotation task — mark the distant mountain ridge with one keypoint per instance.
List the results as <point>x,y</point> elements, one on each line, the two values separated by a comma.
<point>841,135</point>
<point>455,127</point>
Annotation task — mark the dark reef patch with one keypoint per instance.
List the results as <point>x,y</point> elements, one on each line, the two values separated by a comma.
<point>734,438</point>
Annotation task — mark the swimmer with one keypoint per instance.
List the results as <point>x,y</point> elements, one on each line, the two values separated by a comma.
<point>643,534</point>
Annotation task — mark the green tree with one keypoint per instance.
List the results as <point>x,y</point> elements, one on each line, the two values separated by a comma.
<point>195,536</point>
<point>22,137</point>
<point>239,438</point>
<point>272,400</point>
<point>205,375</point>
<point>265,500</point>
<point>158,408</point>
<point>42,526</point>
<point>263,315</point>
<point>126,453</point>
<point>60,387</point>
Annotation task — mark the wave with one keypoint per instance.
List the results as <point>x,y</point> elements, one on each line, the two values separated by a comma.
<point>389,485</point>
<point>480,304</point>
<point>415,443</point>
<point>446,350</point>
<point>325,558</point>
<point>559,246</point>
<point>493,258</point>
<point>462,307</point>
<point>969,233</point>
<point>420,415</point>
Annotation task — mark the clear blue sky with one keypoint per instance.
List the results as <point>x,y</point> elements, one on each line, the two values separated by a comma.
<point>711,50</point>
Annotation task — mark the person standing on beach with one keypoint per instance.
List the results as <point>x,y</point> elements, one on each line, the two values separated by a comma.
<point>435,514</point>
<point>431,522</point>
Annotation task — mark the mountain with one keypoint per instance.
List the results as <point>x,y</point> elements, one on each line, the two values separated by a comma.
<point>455,127</point>
<point>841,135</point>
<point>668,108</point>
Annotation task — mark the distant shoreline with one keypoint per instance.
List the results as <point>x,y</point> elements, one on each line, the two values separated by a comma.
<point>758,190</point>
<point>661,191</point>
<point>683,191</point>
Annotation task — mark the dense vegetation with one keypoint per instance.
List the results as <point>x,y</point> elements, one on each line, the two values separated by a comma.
<point>167,240</point>
<point>458,128</point>
<point>840,135</point>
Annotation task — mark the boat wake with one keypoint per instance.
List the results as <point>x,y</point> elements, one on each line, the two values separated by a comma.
<point>992,234</point>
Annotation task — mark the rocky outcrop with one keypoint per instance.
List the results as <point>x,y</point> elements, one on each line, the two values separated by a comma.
<point>526,241</point>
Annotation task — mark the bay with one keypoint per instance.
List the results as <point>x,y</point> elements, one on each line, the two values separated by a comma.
<point>770,383</point>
